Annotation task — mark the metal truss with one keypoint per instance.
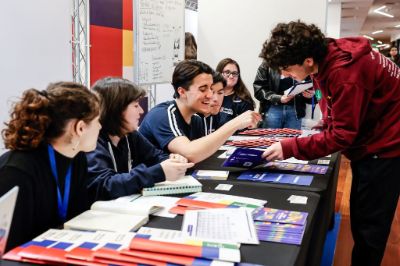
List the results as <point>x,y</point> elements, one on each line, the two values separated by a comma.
<point>80,42</point>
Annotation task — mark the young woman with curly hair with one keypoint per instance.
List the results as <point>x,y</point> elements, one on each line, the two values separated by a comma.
<point>237,98</point>
<point>47,135</point>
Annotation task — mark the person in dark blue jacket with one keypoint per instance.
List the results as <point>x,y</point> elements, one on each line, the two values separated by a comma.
<point>124,161</point>
<point>237,98</point>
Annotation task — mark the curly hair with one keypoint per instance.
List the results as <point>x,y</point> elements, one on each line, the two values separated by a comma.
<point>115,96</point>
<point>42,115</point>
<point>291,43</point>
<point>240,89</point>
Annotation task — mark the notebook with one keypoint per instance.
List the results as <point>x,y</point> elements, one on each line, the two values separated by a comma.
<point>187,184</point>
<point>7,205</point>
<point>113,216</point>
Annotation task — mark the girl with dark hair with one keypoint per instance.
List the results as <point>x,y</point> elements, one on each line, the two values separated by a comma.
<point>237,98</point>
<point>47,134</point>
<point>190,46</point>
<point>124,162</point>
<point>394,55</point>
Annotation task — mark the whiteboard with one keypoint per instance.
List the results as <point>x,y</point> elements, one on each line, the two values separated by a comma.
<point>159,40</point>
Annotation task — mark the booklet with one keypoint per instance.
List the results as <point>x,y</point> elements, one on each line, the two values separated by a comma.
<point>113,216</point>
<point>280,216</point>
<point>244,157</point>
<point>299,87</point>
<point>210,174</point>
<point>207,200</point>
<point>186,184</point>
<point>297,167</point>
<point>300,180</point>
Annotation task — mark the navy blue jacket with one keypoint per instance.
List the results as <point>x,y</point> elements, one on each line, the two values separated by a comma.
<point>107,183</point>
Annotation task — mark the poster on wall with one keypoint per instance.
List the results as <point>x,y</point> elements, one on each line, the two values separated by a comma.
<point>159,40</point>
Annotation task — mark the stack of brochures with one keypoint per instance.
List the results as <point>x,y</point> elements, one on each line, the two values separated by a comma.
<point>206,200</point>
<point>280,226</point>
<point>297,167</point>
<point>58,247</point>
<point>279,178</point>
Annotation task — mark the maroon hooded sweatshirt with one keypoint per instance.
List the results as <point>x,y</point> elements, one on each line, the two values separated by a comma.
<point>361,105</point>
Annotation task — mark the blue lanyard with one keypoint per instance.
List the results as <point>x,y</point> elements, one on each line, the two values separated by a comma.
<point>62,204</point>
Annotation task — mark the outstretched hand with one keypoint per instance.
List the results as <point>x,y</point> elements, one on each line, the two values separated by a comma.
<point>248,119</point>
<point>273,152</point>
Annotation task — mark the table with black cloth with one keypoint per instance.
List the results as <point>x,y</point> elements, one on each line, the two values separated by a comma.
<point>266,253</point>
<point>325,185</point>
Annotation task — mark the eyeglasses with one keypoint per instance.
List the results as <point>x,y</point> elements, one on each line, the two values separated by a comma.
<point>227,73</point>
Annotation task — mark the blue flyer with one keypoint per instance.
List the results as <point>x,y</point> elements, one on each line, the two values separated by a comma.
<point>245,157</point>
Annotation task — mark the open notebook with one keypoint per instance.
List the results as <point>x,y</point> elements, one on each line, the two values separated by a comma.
<point>113,216</point>
<point>7,205</point>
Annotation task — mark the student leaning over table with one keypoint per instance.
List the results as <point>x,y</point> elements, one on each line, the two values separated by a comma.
<point>124,162</point>
<point>46,135</point>
<point>174,126</point>
<point>361,104</point>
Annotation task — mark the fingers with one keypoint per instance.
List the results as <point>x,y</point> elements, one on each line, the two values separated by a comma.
<point>178,158</point>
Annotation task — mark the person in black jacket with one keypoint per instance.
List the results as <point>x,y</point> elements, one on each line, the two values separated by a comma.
<point>46,136</point>
<point>124,162</point>
<point>278,109</point>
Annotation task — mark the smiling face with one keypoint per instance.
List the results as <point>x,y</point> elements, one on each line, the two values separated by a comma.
<point>198,96</point>
<point>131,116</point>
<point>217,97</point>
<point>300,72</point>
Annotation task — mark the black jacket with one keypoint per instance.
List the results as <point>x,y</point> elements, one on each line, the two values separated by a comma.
<point>105,183</point>
<point>266,90</point>
<point>36,209</point>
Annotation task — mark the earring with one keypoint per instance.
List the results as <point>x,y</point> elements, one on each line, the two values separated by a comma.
<point>76,145</point>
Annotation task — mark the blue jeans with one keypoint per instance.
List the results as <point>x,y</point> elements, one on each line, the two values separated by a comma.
<point>281,116</point>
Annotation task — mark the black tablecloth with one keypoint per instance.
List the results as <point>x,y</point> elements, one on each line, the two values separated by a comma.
<point>267,253</point>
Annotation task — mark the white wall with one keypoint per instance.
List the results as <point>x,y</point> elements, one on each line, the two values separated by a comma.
<point>34,47</point>
<point>333,20</point>
<point>238,28</point>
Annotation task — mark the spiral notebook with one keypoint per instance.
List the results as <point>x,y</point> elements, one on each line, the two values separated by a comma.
<point>187,184</point>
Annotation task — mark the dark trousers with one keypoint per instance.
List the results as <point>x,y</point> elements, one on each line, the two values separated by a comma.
<point>373,200</point>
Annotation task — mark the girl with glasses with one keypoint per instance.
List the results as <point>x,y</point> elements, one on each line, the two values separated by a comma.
<point>237,98</point>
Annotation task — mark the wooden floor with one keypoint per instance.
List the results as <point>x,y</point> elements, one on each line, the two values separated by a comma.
<point>345,241</point>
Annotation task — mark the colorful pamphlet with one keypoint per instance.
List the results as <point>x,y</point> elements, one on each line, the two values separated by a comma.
<point>244,157</point>
<point>305,168</point>
<point>280,216</point>
<point>301,180</point>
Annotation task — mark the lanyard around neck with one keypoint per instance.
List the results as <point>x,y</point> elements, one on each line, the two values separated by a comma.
<point>110,149</point>
<point>61,203</point>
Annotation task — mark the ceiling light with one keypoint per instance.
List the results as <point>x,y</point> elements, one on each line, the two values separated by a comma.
<point>368,37</point>
<point>378,10</point>
<point>397,26</point>
<point>378,31</point>
<point>379,42</point>
<point>383,45</point>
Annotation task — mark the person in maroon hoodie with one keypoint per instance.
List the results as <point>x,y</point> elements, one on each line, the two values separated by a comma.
<point>361,108</point>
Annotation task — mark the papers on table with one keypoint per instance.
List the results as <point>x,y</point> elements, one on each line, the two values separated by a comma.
<point>221,224</point>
